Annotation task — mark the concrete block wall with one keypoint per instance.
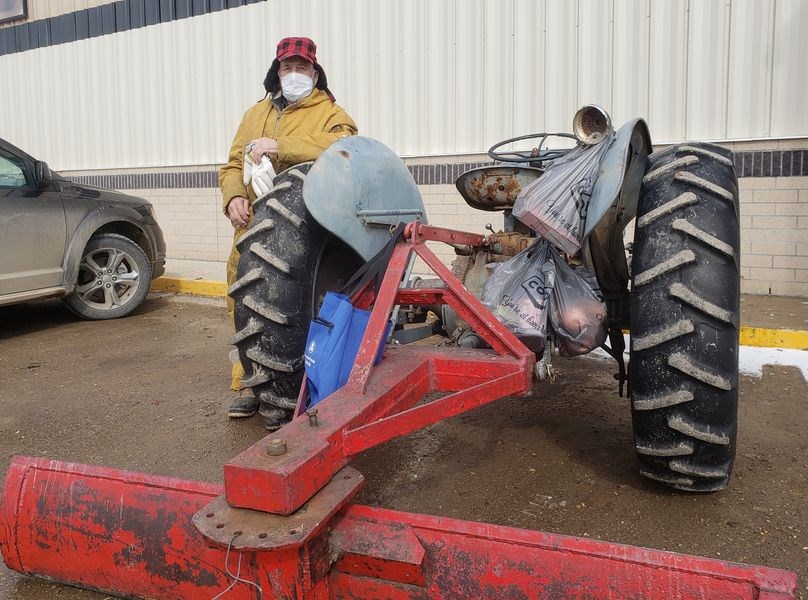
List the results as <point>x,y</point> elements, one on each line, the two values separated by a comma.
<point>445,207</point>
<point>193,223</point>
<point>774,235</point>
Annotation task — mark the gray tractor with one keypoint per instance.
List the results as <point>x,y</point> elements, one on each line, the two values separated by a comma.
<point>675,286</point>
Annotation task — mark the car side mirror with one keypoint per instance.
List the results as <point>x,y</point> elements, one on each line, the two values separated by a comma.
<point>42,175</point>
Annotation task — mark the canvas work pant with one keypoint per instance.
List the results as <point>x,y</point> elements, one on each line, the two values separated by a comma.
<point>236,371</point>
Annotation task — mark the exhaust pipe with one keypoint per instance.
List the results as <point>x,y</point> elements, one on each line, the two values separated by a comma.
<point>591,124</point>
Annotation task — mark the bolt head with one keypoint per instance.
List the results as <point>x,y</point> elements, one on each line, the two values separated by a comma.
<point>312,412</point>
<point>276,447</point>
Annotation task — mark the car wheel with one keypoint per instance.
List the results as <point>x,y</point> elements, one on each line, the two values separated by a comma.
<point>114,278</point>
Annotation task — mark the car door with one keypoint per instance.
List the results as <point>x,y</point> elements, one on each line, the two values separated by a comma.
<point>32,229</point>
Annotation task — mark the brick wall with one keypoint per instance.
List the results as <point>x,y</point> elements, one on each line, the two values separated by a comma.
<point>774,235</point>
<point>774,211</point>
<point>445,207</point>
<point>192,221</point>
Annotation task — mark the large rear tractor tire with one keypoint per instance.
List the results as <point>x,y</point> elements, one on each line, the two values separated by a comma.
<point>288,262</point>
<point>684,318</point>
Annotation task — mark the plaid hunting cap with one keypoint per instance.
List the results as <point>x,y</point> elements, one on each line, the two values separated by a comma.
<point>297,46</point>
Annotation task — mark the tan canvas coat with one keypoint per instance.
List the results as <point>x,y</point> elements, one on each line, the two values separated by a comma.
<point>303,130</point>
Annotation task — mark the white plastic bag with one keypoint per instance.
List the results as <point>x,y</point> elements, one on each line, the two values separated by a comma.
<point>555,205</point>
<point>517,293</point>
<point>577,310</point>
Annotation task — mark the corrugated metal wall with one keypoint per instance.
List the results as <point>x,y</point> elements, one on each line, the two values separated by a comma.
<point>40,9</point>
<point>424,76</point>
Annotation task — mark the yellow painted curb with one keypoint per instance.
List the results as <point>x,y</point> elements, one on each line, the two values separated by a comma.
<point>194,287</point>
<point>750,336</point>
<point>774,338</point>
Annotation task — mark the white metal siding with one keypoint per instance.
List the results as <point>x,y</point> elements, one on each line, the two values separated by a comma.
<point>42,9</point>
<point>749,110</point>
<point>789,108</point>
<point>424,76</point>
<point>707,51</point>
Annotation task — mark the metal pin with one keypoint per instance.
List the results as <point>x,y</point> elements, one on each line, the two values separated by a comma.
<point>312,414</point>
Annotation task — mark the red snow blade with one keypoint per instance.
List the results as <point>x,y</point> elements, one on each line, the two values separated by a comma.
<point>133,535</point>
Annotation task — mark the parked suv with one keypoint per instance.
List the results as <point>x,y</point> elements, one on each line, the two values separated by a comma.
<point>95,248</point>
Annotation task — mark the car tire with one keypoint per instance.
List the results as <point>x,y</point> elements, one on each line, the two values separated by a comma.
<point>684,318</point>
<point>287,263</point>
<point>114,277</point>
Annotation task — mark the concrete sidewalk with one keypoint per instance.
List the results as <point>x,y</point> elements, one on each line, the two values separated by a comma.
<point>766,321</point>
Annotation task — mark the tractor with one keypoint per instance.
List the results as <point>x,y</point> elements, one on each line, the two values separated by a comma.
<point>675,286</point>
<point>282,525</point>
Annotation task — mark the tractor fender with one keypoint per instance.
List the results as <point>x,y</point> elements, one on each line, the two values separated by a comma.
<point>357,189</point>
<point>621,172</point>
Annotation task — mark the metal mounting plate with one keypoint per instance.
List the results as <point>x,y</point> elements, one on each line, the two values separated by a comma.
<point>242,528</point>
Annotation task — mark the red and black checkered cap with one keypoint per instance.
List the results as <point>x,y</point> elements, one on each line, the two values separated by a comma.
<point>297,46</point>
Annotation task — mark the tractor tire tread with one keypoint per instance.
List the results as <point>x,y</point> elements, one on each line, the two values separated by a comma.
<point>684,325</point>
<point>272,291</point>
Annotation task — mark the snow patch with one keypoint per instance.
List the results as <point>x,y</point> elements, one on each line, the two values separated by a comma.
<point>751,359</point>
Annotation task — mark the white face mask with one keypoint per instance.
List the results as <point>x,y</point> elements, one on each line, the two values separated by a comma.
<point>296,86</point>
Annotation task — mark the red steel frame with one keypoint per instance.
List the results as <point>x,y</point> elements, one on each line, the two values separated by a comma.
<point>378,404</point>
<point>282,526</point>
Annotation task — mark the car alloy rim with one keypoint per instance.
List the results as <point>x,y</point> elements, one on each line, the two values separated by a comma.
<point>108,279</point>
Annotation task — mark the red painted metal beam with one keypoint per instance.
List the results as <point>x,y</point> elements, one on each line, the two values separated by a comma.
<point>367,436</point>
<point>474,312</point>
<point>379,317</point>
<point>419,233</point>
<point>132,535</point>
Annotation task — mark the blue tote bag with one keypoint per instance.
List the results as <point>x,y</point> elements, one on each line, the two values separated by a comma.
<point>337,331</point>
<point>333,343</point>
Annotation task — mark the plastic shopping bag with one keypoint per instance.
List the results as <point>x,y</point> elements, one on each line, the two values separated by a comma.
<point>577,310</point>
<point>555,204</point>
<point>517,293</point>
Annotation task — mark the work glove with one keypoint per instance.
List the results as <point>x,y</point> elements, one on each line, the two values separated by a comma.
<point>260,176</point>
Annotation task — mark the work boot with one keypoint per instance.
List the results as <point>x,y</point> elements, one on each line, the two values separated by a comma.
<point>243,406</point>
<point>274,417</point>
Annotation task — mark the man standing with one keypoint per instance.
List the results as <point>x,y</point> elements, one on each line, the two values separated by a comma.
<point>294,123</point>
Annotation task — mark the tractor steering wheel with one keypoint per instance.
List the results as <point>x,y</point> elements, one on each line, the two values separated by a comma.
<point>536,155</point>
